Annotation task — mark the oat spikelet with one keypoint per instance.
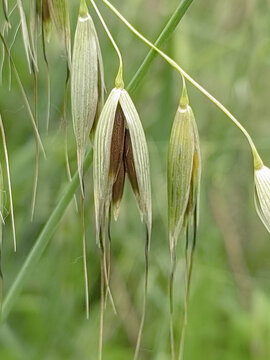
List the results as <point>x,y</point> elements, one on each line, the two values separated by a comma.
<point>120,148</point>
<point>85,82</point>
<point>184,172</point>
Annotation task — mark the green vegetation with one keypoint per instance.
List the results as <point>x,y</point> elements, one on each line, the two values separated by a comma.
<point>225,46</point>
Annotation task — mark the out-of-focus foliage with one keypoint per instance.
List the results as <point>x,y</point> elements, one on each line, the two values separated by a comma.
<point>225,45</point>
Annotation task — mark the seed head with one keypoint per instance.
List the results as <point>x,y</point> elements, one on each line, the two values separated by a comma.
<point>262,194</point>
<point>87,81</point>
<point>184,170</point>
<point>120,148</point>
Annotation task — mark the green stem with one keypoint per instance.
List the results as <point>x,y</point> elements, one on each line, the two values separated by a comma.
<point>42,241</point>
<point>50,227</point>
<point>119,83</point>
<point>28,107</point>
<point>257,160</point>
<point>164,35</point>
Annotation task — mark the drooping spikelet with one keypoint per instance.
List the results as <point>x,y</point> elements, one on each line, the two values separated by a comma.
<point>87,82</point>
<point>262,193</point>
<point>184,173</point>
<point>120,148</point>
<point>184,169</point>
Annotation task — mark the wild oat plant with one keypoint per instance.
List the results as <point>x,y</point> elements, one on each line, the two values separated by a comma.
<point>110,135</point>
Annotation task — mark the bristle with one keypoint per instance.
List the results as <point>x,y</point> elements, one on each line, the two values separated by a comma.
<point>146,273</point>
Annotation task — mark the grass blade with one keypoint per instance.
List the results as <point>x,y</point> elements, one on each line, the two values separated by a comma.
<point>9,181</point>
<point>42,241</point>
<point>164,35</point>
<point>32,118</point>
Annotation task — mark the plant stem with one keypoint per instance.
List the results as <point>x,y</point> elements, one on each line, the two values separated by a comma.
<point>42,240</point>
<point>50,226</point>
<point>2,130</point>
<point>164,35</point>
<point>119,83</point>
<point>257,159</point>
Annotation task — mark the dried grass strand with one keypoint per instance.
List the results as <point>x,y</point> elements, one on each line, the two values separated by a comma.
<point>9,183</point>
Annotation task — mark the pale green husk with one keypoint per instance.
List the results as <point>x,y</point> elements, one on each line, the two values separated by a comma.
<point>87,82</point>
<point>101,160</point>
<point>102,146</point>
<point>262,195</point>
<point>180,165</point>
<point>141,158</point>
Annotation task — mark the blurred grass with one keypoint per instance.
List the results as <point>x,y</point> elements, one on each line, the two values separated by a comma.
<point>226,47</point>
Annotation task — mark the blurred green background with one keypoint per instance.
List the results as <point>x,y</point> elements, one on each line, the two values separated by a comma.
<point>225,45</point>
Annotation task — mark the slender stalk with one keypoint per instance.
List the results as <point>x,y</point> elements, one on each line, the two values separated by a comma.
<point>42,240</point>
<point>101,318</point>
<point>257,159</point>
<point>55,217</point>
<point>86,287</point>
<point>32,118</point>
<point>119,83</point>
<point>171,292</point>
<point>44,51</point>
<point>9,183</point>
<point>36,172</point>
<point>146,272</point>
<point>164,35</point>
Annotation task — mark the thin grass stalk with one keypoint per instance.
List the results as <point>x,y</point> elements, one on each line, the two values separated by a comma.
<point>108,254</point>
<point>5,30</point>
<point>165,34</point>
<point>5,10</point>
<point>9,62</point>
<point>102,303</point>
<point>171,295</point>
<point>9,183</point>
<point>65,128</point>
<point>105,270</point>
<point>26,101</point>
<point>1,235</point>
<point>44,51</point>
<point>51,224</point>
<point>189,268</point>
<point>42,241</point>
<point>184,74</point>
<point>29,50</point>
<point>146,273</point>
<point>86,287</point>
<point>36,173</point>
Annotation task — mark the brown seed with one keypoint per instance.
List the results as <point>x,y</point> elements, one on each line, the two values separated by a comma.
<point>118,187</point>
<point>129,163</point>
<point>117,143</point>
